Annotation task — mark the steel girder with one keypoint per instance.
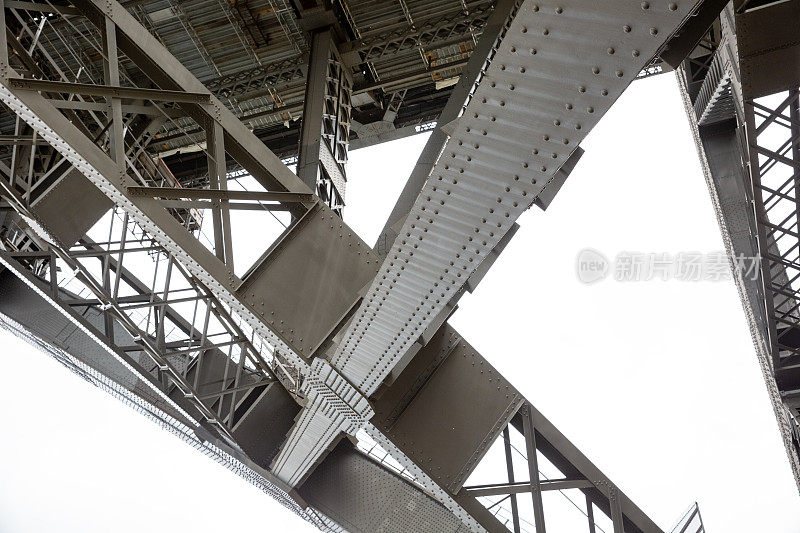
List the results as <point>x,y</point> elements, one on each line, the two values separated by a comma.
<point>461,214</point>
<point>425,270</point>
<point>744,115</point>
<point>325,131</point>
<point>266,96</point>
<point>327,394</point>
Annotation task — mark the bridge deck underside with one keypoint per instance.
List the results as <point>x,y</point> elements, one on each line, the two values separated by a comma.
<point>250,356</point>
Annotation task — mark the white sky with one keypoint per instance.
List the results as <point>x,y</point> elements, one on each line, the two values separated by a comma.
<point>655,381</point>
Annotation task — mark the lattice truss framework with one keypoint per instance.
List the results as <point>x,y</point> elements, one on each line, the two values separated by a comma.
<point>141,259</point>
<point>746,119</point>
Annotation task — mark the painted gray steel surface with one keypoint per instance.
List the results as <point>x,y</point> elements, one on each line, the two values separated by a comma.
<point>547,79</point>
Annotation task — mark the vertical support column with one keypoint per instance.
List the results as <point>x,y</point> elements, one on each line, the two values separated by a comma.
<point>590,514</point>
<point>4,69</point>
<point>116,137</point>
<point>533,467</point>
<point>311,126</point>
<point>325,131</point>
<point>218,179</point>
<point>111,74</point>
<point>510,469</point>
<point>616,509</point>
<point>794,128</point>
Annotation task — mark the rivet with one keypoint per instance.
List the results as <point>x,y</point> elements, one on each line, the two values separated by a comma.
<point>673,6</point>
<point>635,53</point>
<point>653,31</point>
<point>645,5</point>
<point>626,28</point>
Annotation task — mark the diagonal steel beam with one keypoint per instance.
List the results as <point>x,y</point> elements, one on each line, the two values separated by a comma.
<point>526,116</point>
<point>134,93</point>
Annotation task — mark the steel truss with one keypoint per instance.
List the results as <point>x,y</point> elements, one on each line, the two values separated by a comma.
<point>269,94</point>
<point>214,346</point>
<point>118,173</point>
<point>747,128</point>
<point>181,357</point>
<point>542,438</point>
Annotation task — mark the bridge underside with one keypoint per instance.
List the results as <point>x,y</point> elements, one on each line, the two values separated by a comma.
<point>136,136</point>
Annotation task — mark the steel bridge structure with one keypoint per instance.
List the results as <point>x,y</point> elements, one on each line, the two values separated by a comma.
<point>133,135</point>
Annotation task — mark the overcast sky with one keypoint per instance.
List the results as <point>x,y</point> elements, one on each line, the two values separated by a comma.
<point>656,381</point>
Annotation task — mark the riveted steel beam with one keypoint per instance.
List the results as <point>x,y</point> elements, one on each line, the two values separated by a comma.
<point>747,146</point>
<point>325,131</point>
<point>522,122</point>
<point>495,23</point>
<point>400,304</point>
